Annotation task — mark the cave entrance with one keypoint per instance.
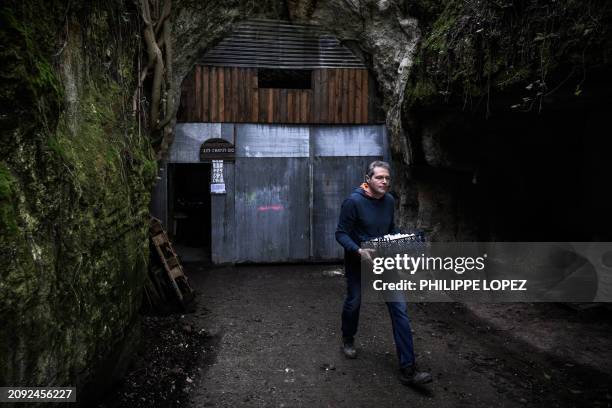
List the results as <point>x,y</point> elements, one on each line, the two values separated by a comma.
<point>289,117</point>
<point>190,210</point>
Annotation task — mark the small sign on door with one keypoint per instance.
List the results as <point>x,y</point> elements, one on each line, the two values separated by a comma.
<point>217,188</point>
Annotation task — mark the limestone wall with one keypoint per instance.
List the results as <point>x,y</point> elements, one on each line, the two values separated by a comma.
<point>74,188</point>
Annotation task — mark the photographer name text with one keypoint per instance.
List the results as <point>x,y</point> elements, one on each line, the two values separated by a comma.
<point>452,285</point>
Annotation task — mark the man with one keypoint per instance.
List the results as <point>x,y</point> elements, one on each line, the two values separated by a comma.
<point>368,213</point>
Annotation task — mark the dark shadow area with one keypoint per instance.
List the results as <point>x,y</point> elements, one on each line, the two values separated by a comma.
<point>170,356</point>
<point>543,176</point>
<point>190,210</point>
<point>512,175</point>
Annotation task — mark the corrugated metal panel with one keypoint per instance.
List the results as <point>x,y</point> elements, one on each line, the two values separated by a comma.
<point>278,44</point>
<point>223,237</point>
<point>340,157</point>
<point>348,141</point>
<point>272,215</point>
<point>188,137</point>
<point>265,215</point>
<point>334,179</point>
<point>272,141</point>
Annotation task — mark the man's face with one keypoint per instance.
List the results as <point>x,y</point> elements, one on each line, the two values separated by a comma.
<point>380,181</point>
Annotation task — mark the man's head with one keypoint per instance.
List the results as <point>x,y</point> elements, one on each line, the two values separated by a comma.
<point>378,177</point>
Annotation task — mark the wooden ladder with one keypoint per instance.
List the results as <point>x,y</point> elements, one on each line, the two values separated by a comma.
<point>171,262</point>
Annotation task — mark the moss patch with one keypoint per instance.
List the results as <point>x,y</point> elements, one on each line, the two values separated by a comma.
<point>8,223</point>
<point>74,189</point>
<point>475,49</point>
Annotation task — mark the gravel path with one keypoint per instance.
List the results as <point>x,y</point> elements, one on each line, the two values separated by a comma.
<point>274,342</point>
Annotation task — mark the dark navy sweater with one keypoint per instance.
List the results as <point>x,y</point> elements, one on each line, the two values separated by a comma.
<point>363,218</point>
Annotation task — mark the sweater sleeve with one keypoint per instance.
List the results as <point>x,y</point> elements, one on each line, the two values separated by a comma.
<point>346,225</point>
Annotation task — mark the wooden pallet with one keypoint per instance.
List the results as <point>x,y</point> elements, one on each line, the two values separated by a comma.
<point>170,261</point>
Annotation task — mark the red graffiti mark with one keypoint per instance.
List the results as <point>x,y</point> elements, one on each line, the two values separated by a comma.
<point>276,207</point>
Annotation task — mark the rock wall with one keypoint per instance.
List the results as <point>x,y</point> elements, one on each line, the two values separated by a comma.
<point>501,107</point>
<point>74,187</point>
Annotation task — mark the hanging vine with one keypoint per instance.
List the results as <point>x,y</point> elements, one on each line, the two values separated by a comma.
<point>157,73</point>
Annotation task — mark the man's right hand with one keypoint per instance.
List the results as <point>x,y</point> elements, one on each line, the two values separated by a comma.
<point>366,254</point>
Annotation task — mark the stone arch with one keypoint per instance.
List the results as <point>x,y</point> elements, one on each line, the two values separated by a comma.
<point>378,30</point>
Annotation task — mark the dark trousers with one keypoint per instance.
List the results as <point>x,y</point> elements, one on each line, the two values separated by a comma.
<point>402,333</point>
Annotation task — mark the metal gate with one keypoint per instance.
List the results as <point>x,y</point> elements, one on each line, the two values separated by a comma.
<point>290,184</point>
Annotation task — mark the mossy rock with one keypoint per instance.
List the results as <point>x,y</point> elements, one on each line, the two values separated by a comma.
<point>470,50</point>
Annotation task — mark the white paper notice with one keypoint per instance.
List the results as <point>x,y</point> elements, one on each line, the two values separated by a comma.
<point>217,188</point>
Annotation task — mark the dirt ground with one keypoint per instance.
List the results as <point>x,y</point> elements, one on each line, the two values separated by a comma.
<point>268,336</point>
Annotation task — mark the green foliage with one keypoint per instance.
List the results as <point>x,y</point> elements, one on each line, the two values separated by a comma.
<point>473,48</point>
<point>437,40</point>
<point>6,180</point>
<point>29,76</point>
<point>7,217</point>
